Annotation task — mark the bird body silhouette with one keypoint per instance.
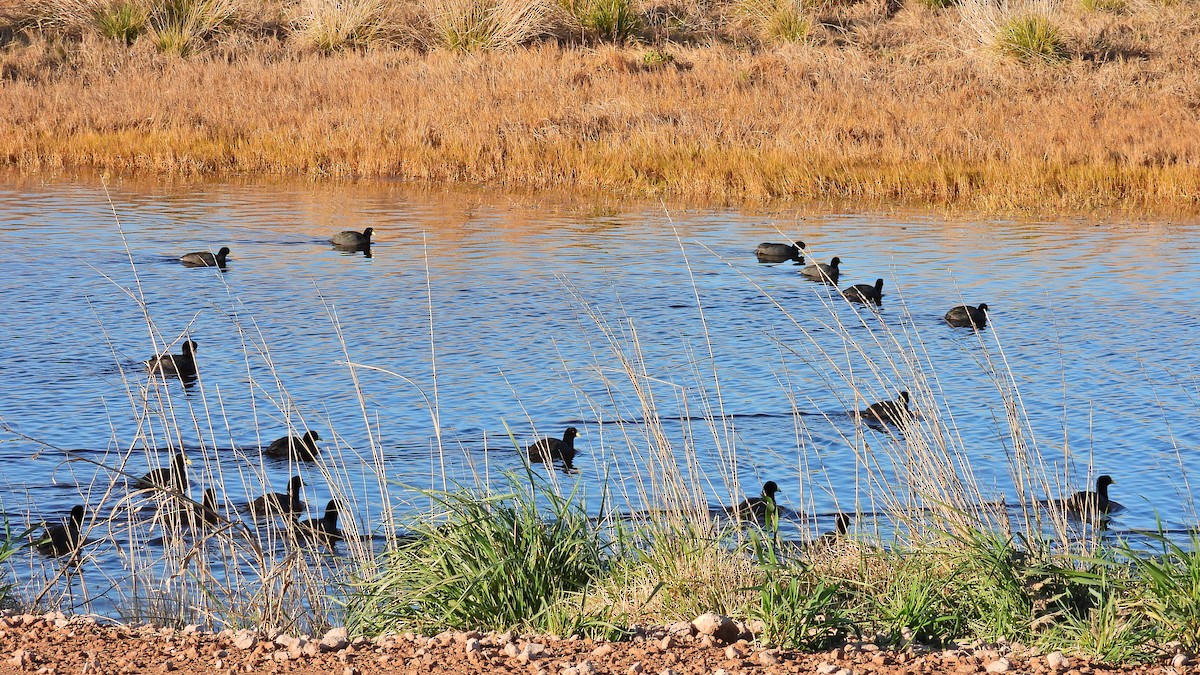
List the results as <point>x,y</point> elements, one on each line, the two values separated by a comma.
<point>889,412</point>
<point>62,538</point>
<point>303,448</point>
<point>352,239</point>
<point>865,293</point>
<point>182,365</point>
<point>205,259</point>
<point>768,252</point>
<point>966,316</point>
<point>549,450</point>
<point>278,503</point>
<point>822,272</point>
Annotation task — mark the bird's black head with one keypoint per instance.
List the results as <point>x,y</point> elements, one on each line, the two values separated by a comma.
<point>769,489</point>
<point>189,347</point>
<point>312,435</point>
<point>368,232</point>
<point>1104,481</point>
<point>570,433</point>
<point>983,307</point>
<point>77,514</point>
<point>800,244</point>
<point>904,397</point>
<point>879,284</point>
<point>835,262</point>
<point>295,484</point>
<point>223,252</point>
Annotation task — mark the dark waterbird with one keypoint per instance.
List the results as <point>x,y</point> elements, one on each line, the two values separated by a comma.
<point>777,253</point>
<point>822,272</point>
<point>841,527</point>
<point>62,538</point>
<point>207,513</point>
<point>323,530</point>
<point>304,448</point>
<point>173,477</point>
<point>182,365</point>
<point>1086,502</point>
<point>757,508</point>
<point>889,412</point>
<point>549,450</point>
<point>278,503</point>
<point>352,239</point>
<point>966,316</point>
<point>205,259</point>
<point>865,293</point>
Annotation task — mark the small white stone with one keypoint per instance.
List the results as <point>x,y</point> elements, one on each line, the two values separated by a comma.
<point>510,650</point>
<point>998,666</point>
<point>732,652</point>
<point>635,669</point>
<point>1057,661</point>
<point>245,639</point>
<point>602,651</point>
<point>825,668</point>
<point>1180,660</point>
<point>335,639</point>
<point>767,659</point>
<point>585,668</point>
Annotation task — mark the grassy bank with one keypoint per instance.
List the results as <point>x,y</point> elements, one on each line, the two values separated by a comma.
<point>1065,104</point>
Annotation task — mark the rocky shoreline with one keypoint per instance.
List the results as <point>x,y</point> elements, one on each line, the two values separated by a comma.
<point>52,644</point>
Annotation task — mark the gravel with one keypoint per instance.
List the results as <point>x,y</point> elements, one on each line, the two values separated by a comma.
<point>56,645</point>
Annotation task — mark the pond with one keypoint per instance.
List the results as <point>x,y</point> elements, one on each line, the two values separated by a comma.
<point>480,322</point>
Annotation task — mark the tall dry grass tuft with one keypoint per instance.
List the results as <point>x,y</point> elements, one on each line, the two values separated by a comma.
<point>179,27</point>
<point>1024,30</point>
<point>472,25</point>
<point>334,25</point>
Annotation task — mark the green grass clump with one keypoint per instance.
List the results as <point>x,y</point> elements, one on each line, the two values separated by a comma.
<point>1031,37</point>
<point>486,561</point>
<point>656,59</point>
<point>1171,591</point>
<point>778,21</point>
<point>1107,6</point>
<point>123,21</point>
<point>617,21</point>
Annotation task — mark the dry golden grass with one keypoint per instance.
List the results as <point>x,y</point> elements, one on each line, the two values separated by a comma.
<point>881,103</point>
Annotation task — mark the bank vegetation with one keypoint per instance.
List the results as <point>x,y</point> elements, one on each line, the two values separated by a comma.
<point>992,104</point>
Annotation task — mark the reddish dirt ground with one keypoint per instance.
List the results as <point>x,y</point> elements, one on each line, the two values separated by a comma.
<point>52,644</point>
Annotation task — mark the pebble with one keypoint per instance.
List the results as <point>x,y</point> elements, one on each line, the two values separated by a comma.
<point>585,668</point>
<point>334,639</point>
<point>721,627</point>
<point>1057,661</point>
<point>732,652</point>
<point>1000,665</point>
<point>472,645</point>
<point>244,640</point>
<point>602,651</point>
<point>635,669</point>
<point>1180,660</point>
<point>767,659</point>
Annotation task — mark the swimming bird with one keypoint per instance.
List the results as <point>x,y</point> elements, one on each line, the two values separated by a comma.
<point>277,503</point>
<point>774,253</point>
<point>205,259</point>
<point>865,293</point>
<point>889,412</point>
<point>173,477</point>
<point>352,239</point>
<point>324,529</point>
<point>206,513</point>
<point>304,449</point>
<point>1085,502</point>
<point>62,538</point>
<point>822,272</point>
<point>966,316</point>
<point>758,508</point>
<point>182,365</point>
<point>550,449</point>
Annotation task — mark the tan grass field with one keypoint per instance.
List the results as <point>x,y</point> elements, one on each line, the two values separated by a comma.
<point>878,102</point>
